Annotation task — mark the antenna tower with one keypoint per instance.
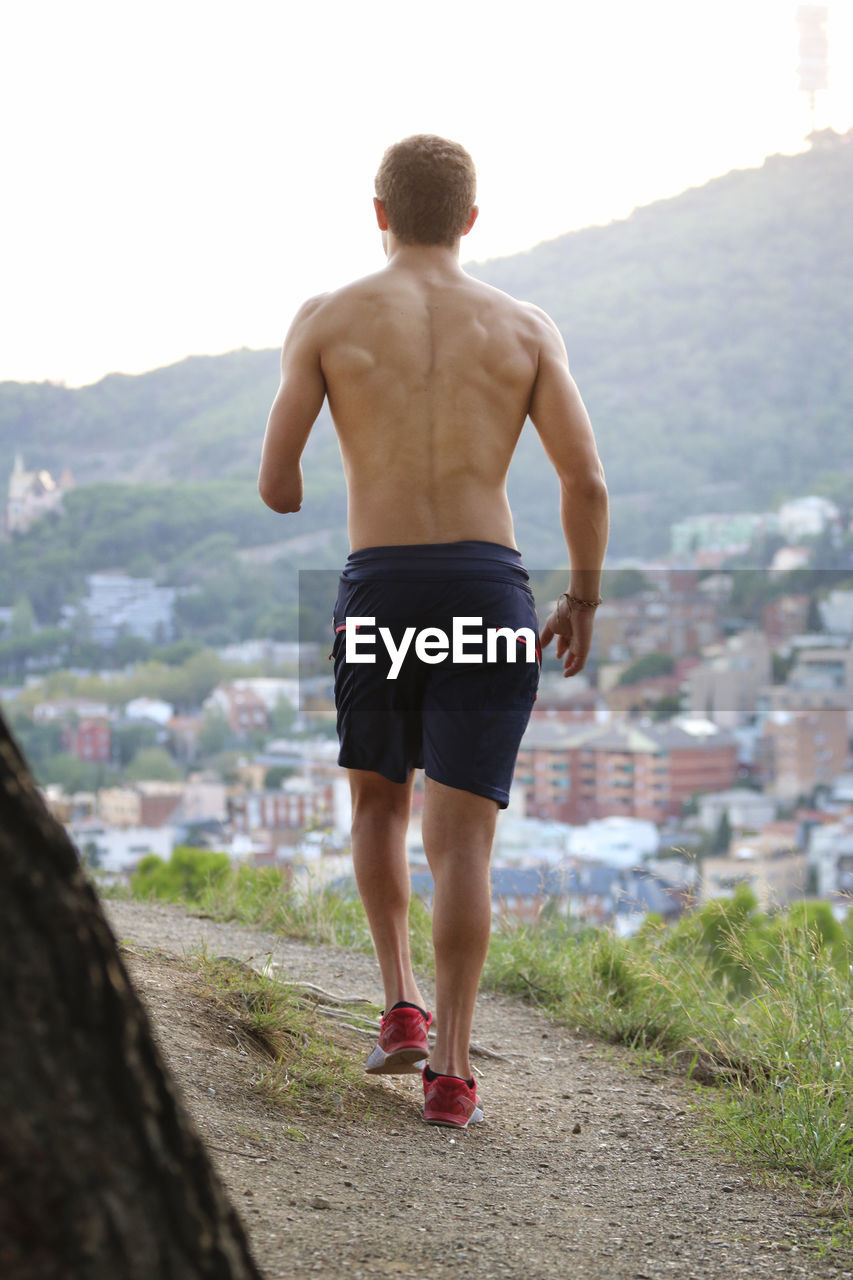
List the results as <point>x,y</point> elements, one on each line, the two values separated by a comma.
<point>813,49</point>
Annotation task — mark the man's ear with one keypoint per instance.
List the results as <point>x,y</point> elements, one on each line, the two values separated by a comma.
<point>381,215</point>
<point>472,218</point>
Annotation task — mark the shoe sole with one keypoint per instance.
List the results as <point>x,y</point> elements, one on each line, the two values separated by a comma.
<point>445,1121</point>
<point>406,1061</point>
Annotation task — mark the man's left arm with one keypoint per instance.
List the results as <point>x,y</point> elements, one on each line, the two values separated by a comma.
<point>297,403</point>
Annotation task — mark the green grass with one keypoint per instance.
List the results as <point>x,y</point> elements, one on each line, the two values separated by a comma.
<point>774,1024</point>
<point>312,1066</point>
<point>760,1005</point>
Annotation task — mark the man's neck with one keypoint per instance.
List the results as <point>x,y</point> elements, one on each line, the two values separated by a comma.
<point>438,258</point>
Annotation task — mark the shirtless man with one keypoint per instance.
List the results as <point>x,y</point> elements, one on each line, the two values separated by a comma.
<point>430,376</point>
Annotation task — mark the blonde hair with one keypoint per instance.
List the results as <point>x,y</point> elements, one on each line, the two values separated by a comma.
<point>428,186</point>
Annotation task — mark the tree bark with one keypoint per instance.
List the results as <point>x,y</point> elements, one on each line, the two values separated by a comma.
<point>102,1174</point>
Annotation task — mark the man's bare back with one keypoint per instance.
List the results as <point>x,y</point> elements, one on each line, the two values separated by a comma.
<point>430,375</point>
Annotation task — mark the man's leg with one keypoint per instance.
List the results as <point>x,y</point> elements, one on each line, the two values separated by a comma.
<point>458,830</point>
<point>380,817</point>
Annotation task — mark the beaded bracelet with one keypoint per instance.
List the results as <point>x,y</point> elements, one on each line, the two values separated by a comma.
<point>575,602</point>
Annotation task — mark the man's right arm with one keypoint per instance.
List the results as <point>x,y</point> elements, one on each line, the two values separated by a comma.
<point>295,408</point>
<point>560,417</point>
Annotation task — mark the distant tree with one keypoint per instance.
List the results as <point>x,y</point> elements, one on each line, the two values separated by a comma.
<point>132,737</point>
<point>781,665</point>
<point>153,763</point>
<point>126,649</point>
<point>814,622</point>
<point>227,765</point>
<point>646,667</point>
<point>276,775</point>
<point>66,771</point>
<point>102,1173</point>
<point>196,678</point>
<point>187,872</point>
<point>215,732</point>
<point>40,739</point>
<point>279,623</point>
<point>91,855</point>
<point>666,707</point>
<point>143,565</point>
<point>23,621</point>
<point>621,584</point>
<point>723,834</point>
<point>282,717</point>
<point>179,652</point>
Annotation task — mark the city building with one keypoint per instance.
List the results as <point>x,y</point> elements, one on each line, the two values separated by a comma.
<point>118,605</point>
<point>248,703</point>
<point>830,858</point>
<point>710,538</point>
<point>836,613</point>
<point>776,874</point>
<point>803,748</point>
<point>299,803</point>
<point>564,701</point>
<point>787,559</point>
<point>745,810</point>
<point>727,684</point>
<point>160,802</point>
<point>251,652</point>
<point>639,771</point>
<point>785,617</point>
<point>676,620</point>
<point>823,668</point>
<point>67,710</point>
<point>89,738</point>
<point>115,849</point>
<point>244,709</point>
<point>807,517</point>
<point>641,696</point>
<point>617,841</point>
<point>119,807</point>
<point>205,799</point>
<point>153,710</point>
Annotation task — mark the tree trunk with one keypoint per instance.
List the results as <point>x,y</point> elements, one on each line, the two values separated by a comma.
<point>102,1174</point>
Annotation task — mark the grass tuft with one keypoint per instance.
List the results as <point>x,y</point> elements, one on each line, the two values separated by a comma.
<point>309,1065</point>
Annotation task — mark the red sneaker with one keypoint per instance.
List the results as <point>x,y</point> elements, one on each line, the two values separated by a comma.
<point>402,1047</point>
<point>450,1101</point>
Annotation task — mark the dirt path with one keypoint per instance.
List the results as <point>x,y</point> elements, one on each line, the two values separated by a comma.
<point>582,1168</point>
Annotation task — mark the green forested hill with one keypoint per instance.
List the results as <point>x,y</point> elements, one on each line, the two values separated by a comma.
<point>710,335</point>
<point>200,419</point>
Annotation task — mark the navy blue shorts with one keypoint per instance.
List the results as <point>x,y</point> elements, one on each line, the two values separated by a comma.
<point>462,722</point>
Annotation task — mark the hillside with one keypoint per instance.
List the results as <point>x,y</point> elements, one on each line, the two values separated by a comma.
<point>709,333</point>
<point>583,1166</point>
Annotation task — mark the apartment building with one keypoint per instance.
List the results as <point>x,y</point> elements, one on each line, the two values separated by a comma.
<point>635,771</point>
<point>804,747</point>
<point>295,806</point>
<point>89,739</point>
<point>727,685</point>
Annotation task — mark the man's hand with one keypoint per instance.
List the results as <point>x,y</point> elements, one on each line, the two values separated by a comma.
<point>573,628</point>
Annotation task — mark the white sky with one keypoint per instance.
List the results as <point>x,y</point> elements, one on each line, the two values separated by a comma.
<point>178,176</point>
